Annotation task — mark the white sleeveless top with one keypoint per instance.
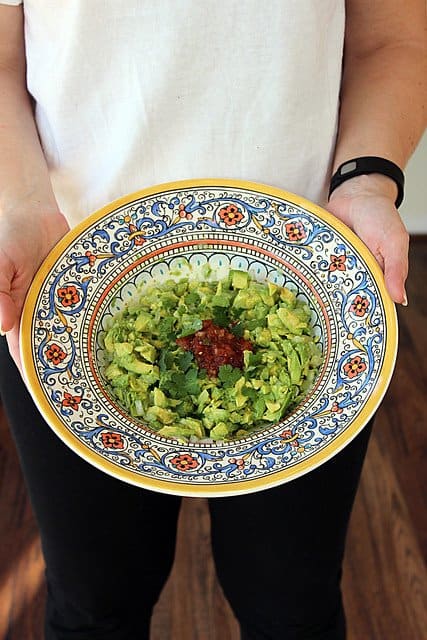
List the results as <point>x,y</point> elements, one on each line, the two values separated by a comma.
<point>134,93</point>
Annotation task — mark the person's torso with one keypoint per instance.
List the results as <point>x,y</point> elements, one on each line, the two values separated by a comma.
<point>136,93</point>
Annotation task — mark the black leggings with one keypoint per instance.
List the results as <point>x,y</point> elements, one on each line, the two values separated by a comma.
<point>109,546</point>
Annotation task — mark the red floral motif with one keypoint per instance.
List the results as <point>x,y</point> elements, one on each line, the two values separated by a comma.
<point>55,354</point>
<point>136,235</point>
<point>91,257</point>
<point>68,296</point>
<point>230,215</point>
<point>336,408</point>
<point>355,367</point>
<point>359,306</point>
<point>337,263</point>
<point>185,462</point>
<point>183,213</point>
<point>288,435</point>
<point>239,462</point>
<point>295,231</point>
<point>112,440</point>
<point>71,401</point>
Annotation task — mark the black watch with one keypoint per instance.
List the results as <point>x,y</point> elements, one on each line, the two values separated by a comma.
<point>366,165</point>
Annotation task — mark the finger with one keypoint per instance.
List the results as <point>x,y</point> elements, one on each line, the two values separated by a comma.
<point>396,271</point>
<point>8,312</point>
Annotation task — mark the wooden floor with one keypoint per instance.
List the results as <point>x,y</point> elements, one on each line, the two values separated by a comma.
<point>385,578</point>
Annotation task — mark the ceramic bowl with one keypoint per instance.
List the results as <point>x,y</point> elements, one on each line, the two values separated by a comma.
<point>274,235</point>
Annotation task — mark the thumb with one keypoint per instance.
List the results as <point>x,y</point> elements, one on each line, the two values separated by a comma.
<point>396,272</point>
<point>8,312</point>
<point>9,324</point>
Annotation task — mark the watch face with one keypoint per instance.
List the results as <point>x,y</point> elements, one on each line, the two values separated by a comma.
<point>348,167</point>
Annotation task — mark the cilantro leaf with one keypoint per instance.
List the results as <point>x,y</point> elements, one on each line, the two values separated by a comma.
<point>228,375</point>
<point>166,359</point>
<point>166,327</point>
<point>192,386</point>
<point>237,329</point>
<point>220,317</point>
<point>183,360</point>
<point>192,298</point>
<point>190,326</point>
<point>182,385</point>
<point>250,393</point>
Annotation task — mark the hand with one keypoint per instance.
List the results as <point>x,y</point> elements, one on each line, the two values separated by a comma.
<point>366,205</point>
<point>26,237</point>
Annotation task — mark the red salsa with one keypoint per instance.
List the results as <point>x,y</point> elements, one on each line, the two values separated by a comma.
<point>214,346</point>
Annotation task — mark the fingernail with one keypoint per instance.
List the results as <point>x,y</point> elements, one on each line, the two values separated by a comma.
<point>405,300</point>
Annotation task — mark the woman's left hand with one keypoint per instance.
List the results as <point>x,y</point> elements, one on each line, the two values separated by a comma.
<point>366,205</point>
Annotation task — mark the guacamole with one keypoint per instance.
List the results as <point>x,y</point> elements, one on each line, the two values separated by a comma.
<point>157,371</point>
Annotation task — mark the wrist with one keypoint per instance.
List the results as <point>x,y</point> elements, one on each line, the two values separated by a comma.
<point>14,202</point>
<point>373,184</point>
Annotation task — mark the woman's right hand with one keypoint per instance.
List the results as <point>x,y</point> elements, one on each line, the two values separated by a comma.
<point>26,237</point>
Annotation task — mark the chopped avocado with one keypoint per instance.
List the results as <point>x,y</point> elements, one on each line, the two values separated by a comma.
<point>121,382</point>
<point>212,416</point>
<point>130,363</point>
<point>263,336</point>
<point>143,321</point>
<point>273,289</point>
<point>109,342</point>
<point>186,429</point>
<point>193,424</point>
<point>288,296</point>
<point>294,320</point>
<point>220,431</point>
<point>294,366</point>
<point>123,348</point>
<point>147,351</point>
<point>239,279</point>
<point>222,299</point>
<point>113,371</point>
<point>161,383</point>
<point>245,299</point>
<point>165,416</point>
<point>159,398</point>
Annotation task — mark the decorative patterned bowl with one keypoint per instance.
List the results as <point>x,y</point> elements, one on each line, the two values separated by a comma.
<point>274,235</point>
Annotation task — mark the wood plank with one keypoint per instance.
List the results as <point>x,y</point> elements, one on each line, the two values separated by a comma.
<point>385,580</point>
<point>22,590</point>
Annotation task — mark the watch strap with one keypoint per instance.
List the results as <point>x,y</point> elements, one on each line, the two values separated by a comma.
<point>366,165</point>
